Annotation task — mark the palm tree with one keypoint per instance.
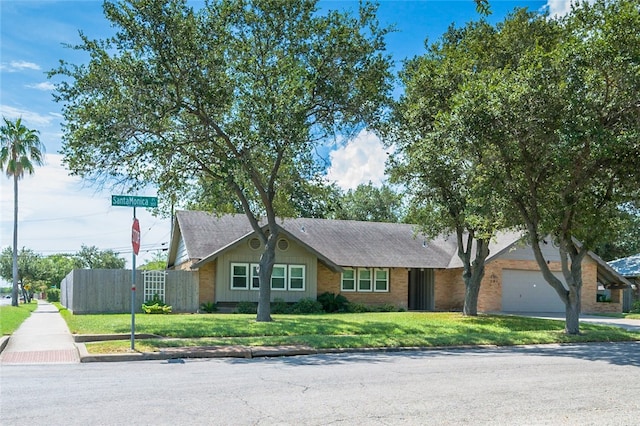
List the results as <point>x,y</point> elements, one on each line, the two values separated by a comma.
<point>21,149</point>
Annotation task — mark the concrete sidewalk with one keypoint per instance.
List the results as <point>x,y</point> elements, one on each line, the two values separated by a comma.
<point>43,338</point>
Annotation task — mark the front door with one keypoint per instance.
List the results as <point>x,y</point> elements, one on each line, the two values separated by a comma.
<point>421,290</point>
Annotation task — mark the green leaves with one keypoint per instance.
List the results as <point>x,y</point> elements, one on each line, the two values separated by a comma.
<point>233,92</point>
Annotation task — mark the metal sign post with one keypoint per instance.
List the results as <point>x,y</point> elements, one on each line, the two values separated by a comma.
<point>134,201</point>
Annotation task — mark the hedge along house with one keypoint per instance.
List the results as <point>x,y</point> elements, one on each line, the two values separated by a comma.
<point>372,263</point>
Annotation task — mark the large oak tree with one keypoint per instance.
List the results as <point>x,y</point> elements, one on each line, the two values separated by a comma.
<point>236,94</point>
<point>554,106</point>
<point>442,173</point>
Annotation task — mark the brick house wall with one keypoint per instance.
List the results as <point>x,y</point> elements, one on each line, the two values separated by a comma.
<point>208,283</point>
<point>449,289</point>
<point>329,281</point>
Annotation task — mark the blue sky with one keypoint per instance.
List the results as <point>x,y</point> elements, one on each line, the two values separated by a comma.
<point>59,213</point>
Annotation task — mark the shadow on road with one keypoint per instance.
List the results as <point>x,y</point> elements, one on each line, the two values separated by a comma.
<point>617,353</point>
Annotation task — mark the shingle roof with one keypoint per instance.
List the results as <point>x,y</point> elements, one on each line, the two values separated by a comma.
<point>204,233</point>
<point>345,243</point>
<point>627,266</point>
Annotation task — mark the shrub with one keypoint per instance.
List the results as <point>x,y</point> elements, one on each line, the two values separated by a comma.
<point>53,295</point>
<point>635,308</point>
<point>387,307</point>
<point>156,306</point>
<point>306,306</point>
<point>333,303</point>
<point>279,306</point>
<point>208,307</point>
<point>358,308</point>
<point>247,308</point>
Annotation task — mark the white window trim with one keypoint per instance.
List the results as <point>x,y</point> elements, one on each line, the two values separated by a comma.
<point>355,281</point>
<point>386,270</point>
<point>279,265</point>
<point>232,276</point>
<point>304,277</point>
<point>253,266</point>
<point>371,275</point>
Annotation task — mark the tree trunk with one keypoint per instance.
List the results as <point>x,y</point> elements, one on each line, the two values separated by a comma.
<point>14,291</point>
<point>572,312</point>
<point>473,272</point>
<point>573,305</point>
<point>471,292</point>
<point>267,260</point>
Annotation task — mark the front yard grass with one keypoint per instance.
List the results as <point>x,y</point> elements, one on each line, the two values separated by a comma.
<point>12,316</point>
<point>367,330</point>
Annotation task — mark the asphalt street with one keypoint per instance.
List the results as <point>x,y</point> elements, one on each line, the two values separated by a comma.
<point>587,384</point>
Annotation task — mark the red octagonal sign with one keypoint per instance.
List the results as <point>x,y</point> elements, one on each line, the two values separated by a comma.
<point>135,236</point>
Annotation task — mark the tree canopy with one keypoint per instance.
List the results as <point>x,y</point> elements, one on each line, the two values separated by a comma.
<point>235,95</point>
<point>545,113</point>
<point>369,203</point>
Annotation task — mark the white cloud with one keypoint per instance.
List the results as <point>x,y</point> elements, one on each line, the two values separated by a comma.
<point>15,66</point>
<point>46,86</point>
<point>58,213</point>
<point>359,161</point>
<point>561,7</point>
<point>29,118</point>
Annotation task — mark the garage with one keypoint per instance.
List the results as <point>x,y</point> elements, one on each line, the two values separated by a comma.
<point>527,291</point>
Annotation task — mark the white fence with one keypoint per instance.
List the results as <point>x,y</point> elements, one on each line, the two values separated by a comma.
<point>92,291</point>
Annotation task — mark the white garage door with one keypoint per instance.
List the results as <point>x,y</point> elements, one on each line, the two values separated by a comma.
<point>527,291</point>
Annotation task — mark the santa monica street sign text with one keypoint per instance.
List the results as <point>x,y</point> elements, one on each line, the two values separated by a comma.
<point>133,201</point>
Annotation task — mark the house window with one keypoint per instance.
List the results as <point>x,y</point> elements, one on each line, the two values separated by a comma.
<point>245,276</point>
<point>296,277</point>
<point>239,276</point>
<point>381,280</point>
<point>364,279</point>
<point>255,278</point>
<point>279,277</point>
<point>348,282</point>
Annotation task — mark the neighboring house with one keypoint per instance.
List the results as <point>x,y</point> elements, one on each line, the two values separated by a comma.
<point>373,263</point>
<point>629,267</point>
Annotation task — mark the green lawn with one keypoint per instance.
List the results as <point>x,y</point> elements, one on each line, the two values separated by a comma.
<point>397,329</point>
<point>11,316</point>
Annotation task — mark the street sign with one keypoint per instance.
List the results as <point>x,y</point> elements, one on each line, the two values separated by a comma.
<point>135,236</point>
<point>133,201</point>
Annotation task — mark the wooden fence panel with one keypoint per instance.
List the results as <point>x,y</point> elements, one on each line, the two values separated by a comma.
<point>85,291</point>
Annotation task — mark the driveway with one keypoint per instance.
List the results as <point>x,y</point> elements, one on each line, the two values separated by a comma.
<point>629,324</point>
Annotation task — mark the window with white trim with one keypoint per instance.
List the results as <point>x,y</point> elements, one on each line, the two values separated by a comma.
<point>279,277</point>
<point>255,278</point>
<point>239,276</point>
<point>365,280</point>
<point>244,276</point>
<point>348,282</point>
<point>381,283</point>
<point>296,277</point>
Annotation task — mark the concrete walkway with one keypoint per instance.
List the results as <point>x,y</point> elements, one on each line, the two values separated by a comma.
<point>627,324</point>
<point>43,338</point>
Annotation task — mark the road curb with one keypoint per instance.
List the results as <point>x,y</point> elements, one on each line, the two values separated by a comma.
<point>246,352</point>
<point>4,341</point>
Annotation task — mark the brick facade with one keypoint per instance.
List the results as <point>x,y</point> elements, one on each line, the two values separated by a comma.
<point>329,281</point>
<point>208,283</point>
<point>449,286</point>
